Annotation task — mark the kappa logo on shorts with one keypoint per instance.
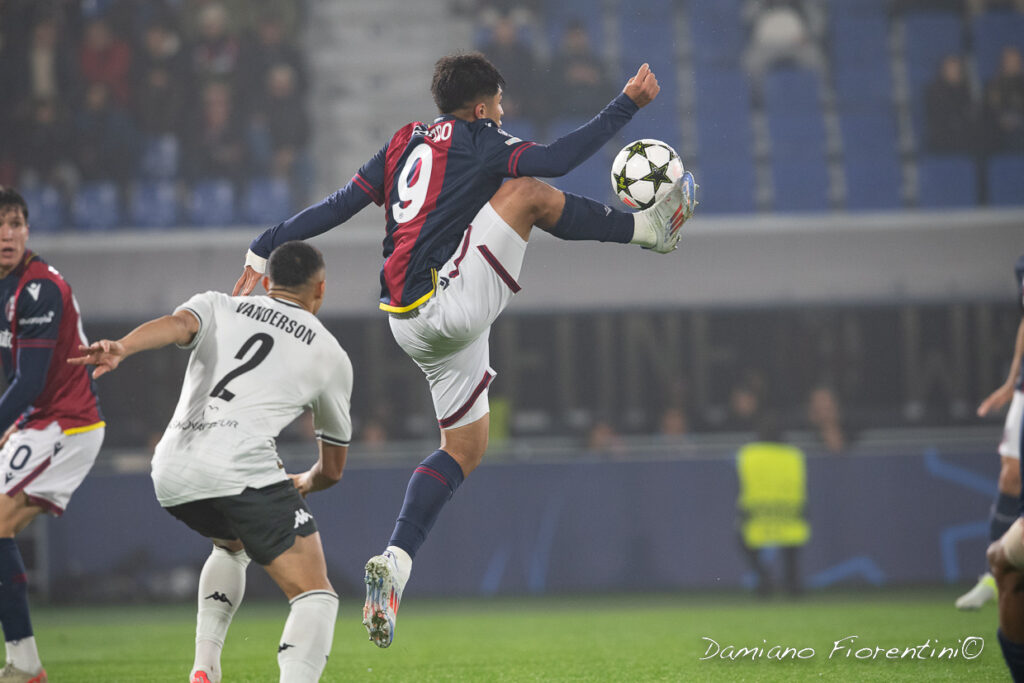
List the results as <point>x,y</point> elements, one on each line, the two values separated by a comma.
<point>301,517</point>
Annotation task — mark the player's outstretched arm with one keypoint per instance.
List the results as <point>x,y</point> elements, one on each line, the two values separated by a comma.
<point>643,87</point>
<point>325,473</point>
<point>1001,396</point>
<point>107,354</point>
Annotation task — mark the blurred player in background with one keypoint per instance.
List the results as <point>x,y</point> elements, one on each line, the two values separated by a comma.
<point>255,365</point>
<point>1005,508</point>
<point>50,417</point>
<point>453,250</point>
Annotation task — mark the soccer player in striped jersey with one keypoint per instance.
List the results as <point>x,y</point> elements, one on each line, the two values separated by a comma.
<point>455,238</point>
<point>49,417</point>
<point>255,364</point>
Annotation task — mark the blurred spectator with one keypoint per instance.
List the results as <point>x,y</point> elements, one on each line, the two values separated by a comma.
<point>673,423</point>
<point>215,55</point>
<point>283,125</point>
<point>603,439</point>
<point>159,80</point>
<point>46,69</point>
<point>824,415</point>
<point>784,31</point>
<point>269,47</point>
<point>515,59</point>
<point>745,403</point>
<point>43,143</point>
<point>104,140</point>
<point>581,81</point>
<point>374,434</point>
<point>216,147</point>
<point>1004,101</point>
<point>949,111</point>
<point>105,58</point>
<point>979,6</point>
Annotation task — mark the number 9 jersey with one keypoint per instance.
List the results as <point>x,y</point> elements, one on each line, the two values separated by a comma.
<point>256,364</point>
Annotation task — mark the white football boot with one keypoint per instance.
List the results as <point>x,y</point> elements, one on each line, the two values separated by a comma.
<point>383,593</point>
<point>982,592</point>
<point>667,216</point>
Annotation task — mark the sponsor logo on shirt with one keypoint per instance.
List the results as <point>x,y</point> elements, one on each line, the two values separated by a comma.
<point>5,339</point>
<point>38,320</point>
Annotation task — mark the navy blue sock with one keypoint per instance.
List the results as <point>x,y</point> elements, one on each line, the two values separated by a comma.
<point>1002,515</point>
<point>431,485</point>
<point>587,219</point>
<point>1013,653</point>
<point>13,592</point>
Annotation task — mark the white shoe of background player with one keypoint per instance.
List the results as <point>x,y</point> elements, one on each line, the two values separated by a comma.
<point>982,592</point>
<point>667,216</point>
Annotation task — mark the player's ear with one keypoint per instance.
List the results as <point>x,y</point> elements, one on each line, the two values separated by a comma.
<point>480,110</point>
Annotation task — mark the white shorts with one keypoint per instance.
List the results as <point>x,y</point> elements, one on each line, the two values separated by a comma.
<point>1010,445</point>
<point>48,465</point>
<point>448,335</point>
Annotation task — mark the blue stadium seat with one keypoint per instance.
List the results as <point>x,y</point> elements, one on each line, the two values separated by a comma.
<point>160,156</point>
<point>1006,180</point>
<point>718,39</point>
<point>797,135</point>
<point>651,41</point>
<point>154,204</point>
<point>96,206</point>
<point>727,185</point>
<point>267,200</point>
<point>558,16</point>
<point>524,129</point>
<point>801,184</point>
<point>45,208</point>
<point>860,38</point>
<point>212,203</point>
<point>946,181</point>
<point>869,135</point>
<point>930,36</point>
<point>792,90</point>
<point>863,86</point>
<point>991,32</point>
<point>873,184</point>
<point>726,136</point>
<point>722,91</point>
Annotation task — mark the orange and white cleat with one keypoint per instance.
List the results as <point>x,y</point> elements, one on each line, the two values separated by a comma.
<point>383,594</point>
<point>12,674</point>
<point>200,677</point>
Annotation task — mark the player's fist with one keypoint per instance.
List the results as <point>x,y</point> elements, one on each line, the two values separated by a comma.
<point>246,283</point>
<point>643,87</point>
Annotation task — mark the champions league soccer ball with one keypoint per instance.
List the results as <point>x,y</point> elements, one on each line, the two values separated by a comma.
<point>643,172</point>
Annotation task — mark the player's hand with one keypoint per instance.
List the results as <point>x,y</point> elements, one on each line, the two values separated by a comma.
<point>302,482</point>
<point>643,87</point>
<point>996,400</point>
<point>7,435</point>
<point>246,283</point>
<point>105,354</point>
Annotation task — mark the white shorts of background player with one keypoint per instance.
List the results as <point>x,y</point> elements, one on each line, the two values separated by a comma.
<point>1010,445</point>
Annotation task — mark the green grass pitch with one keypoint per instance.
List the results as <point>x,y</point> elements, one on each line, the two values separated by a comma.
<point>614,638</point>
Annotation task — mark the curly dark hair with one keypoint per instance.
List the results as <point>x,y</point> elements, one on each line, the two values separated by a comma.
<point>462,79</point>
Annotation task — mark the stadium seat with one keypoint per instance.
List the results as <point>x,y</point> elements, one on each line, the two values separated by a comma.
<point>991,32</point>
<point>267,200</point>
<point>45,209</point>
<point>154,204</point>
<point>524,129</point>
<point>727,185</point>
<point>873,184</point>
<point>726,136</point>
<point>869,135</point>
<point>160,155</point>
<point>799,135</point>
<point>946,181</point>
<point>212,203</point>
<point>1006,180</point>
<point>96,206</point>
<point>801,184</point>
<point>651,41</point>
<point>792,90</point>
<point>930,36</point>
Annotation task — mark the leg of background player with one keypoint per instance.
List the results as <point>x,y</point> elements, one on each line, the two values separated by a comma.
<point>15,515</point>
<point>1010,581</point>
<point>301,572</point>
<point>221,589</point>
<point>1001,516</point>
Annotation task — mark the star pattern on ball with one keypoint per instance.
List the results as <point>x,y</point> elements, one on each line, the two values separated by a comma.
<point>638,147</point>
<point>622,181</point>
<point>658,176</point>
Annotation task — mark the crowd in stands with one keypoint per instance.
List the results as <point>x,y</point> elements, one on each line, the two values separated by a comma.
<point>160,96</point>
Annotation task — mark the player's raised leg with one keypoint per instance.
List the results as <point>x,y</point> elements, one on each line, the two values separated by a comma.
<point>221,589</point>
<point>23,664</point>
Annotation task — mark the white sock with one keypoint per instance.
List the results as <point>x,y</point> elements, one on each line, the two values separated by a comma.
<point>643,231</point>
<point>404,563</point>
<point>221,589</point>
<point>308,636</point>
<point>24,655</point>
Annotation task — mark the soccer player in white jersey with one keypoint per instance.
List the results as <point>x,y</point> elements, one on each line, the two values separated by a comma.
<point>256,363</point>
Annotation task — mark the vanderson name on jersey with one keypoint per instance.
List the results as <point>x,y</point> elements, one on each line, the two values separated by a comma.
<point>221,438</point>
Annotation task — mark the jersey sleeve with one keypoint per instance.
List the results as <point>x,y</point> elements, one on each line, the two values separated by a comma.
<point>39,310</point>
<point>202,307</point>
<point>366,186</point>
<point>332,422</point>
<point>500,150</point>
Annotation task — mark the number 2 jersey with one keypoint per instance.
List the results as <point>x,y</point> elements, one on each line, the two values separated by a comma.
<point>256,363</point>
<point>40,329</point>
<point>431,180</point>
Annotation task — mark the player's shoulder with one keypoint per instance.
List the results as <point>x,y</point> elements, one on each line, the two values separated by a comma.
<point>36,269</point>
